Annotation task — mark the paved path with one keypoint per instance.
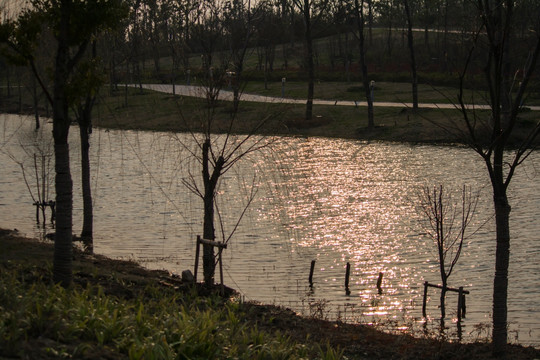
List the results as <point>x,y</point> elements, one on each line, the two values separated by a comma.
<point>198,91</point>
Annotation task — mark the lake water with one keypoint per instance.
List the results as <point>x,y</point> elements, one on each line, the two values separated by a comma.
<point>330,200</point>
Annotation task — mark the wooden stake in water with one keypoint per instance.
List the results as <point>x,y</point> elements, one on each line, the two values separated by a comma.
<point>379,283</point>
<point>311,272</point>
<point>424,301</point>
<point>347,274</point>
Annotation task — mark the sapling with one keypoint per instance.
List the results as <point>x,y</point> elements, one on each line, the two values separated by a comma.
<point>446,221</point>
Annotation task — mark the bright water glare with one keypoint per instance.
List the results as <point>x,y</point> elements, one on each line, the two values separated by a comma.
<point>330,200</point>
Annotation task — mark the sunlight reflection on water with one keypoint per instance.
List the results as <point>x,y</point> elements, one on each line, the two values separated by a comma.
<point>335,201</point>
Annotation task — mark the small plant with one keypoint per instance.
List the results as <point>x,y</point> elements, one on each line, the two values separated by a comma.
<point>446,223</point>
<point>318,309</point>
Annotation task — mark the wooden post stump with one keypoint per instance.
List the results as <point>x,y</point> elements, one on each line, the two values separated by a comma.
<point>424,301</point>
<point>347,274</point>
<point>379,283</point>
<point>311,272</point>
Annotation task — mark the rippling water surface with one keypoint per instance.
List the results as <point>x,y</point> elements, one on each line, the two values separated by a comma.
<point>330,200</point>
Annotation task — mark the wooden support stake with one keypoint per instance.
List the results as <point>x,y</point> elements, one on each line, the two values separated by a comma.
<point>221,271</point>
<point>197,251</point>
<point>347,274</point>
<point>311,272</point>
<point>379,283</point>
<point>426,284</point>
<point>447,288</point>
<point>459,303</point>
<point>220,247</point>
<point>37,211</point>
<point>463,306</point>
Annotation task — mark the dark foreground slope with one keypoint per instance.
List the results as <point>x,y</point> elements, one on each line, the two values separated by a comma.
<point>242,330</point>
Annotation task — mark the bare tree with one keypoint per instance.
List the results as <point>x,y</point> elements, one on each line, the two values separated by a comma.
<point>310,10</point>
<point>410,42</point>
<point>217,148</point>
<point>446,222</point>
<point>73,24</point>
<point>36,168</point>
<point>83,90</point>
<point>239,19</point>
<point>359,12</point>
<point>216,154</point>
<point>490,134</point>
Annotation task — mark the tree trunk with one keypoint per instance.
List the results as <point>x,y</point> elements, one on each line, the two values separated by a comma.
<point>19,92</point>
<point>88,216</point>
<point>208,233</point>
<point>361,44</point>
<point>62,267</point>
<point>210,183</point>
<point>500,282</point>
<point>309,61</point>
<point>413,59</point>
<point>63,263</point>
<point>85,129</point>
<point>36,101</point>
<point>426,27</point>
<point>370,21</point>
<point>443,298</point>
<point>389,38</point>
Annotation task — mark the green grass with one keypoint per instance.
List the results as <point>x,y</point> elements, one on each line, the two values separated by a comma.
<point>384,91</point>
<point>153,111</point>
<point>148,110</point>
<point>41,320</point>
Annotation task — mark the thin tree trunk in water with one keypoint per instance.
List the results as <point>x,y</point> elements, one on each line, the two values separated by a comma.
<point>443,307</point>
<point>36,101</point>
<point>85,129</point>
<point>443,297</point>
<point>500,282</point>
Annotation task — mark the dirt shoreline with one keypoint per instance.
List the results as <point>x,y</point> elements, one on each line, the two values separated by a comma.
<point>357,341</point>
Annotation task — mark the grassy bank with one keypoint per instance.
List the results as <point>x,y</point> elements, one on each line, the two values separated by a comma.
<point>116,310</point>
<point>147,110</point>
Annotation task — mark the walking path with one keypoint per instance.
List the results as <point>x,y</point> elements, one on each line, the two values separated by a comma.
<point>198,91</point>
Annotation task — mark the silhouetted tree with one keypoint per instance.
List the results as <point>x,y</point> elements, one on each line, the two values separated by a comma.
<point>489,134</point>
<point>359,12</point>
<point>446,222</point>
<point>410,42</point>
<point>310,11</point>
<point>72,23</point>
